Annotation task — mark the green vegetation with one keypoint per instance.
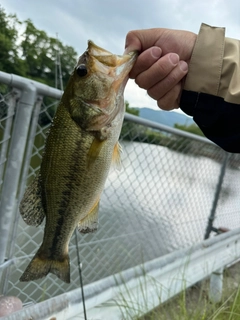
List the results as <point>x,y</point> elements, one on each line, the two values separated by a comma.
<point>193,128</point>
<point>194,304</point>
<point>130,110</point>
<point>32,53</point>
<point>135,132</point>
<point>138,133</point>
<point>190,304</point>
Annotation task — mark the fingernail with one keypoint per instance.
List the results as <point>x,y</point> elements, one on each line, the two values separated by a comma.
<point>183,66</point>
<point>156,52</point>
<point>174,58</point>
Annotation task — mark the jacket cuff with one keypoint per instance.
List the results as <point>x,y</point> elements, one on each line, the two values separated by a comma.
<point>206,62</point>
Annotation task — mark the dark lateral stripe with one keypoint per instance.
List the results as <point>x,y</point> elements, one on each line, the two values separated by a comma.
<point>58,232</point>
<point>219,120</point>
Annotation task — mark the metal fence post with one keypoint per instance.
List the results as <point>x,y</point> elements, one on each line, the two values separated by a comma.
<point>216,197</point>
<point>216,284</point>
<point>14,164</point>
<point>11,102</point>
<point>22,182</point>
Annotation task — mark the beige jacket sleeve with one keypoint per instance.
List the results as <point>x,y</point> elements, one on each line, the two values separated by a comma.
<point>215,65</point>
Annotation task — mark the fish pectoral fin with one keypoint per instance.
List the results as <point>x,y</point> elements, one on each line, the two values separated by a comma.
<point>31,208</point>
<point>116,156</point>
<point>90,222</point>
<point>94,151</point>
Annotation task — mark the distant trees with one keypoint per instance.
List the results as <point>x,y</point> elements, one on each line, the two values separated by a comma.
<point>139,133</point>
<point>133,111</point>
<point>31,52</point>
<point>9,58</point>
<point>192,128</point>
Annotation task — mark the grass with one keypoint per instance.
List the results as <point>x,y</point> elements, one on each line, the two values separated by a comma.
<point>194,304</point>
<point>191,304</point>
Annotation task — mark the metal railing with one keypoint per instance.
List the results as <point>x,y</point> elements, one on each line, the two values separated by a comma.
<point>161,200</point>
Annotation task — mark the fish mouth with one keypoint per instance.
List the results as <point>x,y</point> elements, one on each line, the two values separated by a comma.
<point>107,57</point>
<point>109,63</point>
<point>117,67</point>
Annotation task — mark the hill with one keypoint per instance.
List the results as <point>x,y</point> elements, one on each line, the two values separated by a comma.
<point>165,117</point>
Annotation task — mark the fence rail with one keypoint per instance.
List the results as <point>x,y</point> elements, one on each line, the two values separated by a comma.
<point>136,291</point>
<point>160,202</point>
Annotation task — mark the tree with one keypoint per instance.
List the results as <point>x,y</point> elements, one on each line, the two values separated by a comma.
<point>133,111</point>
<point>9,55</point>
<point>193,128</point>
<point>33,53</point>
<point>40,53</point>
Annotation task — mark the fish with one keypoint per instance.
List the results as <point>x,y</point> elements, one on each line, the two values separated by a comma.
<point>80,148</point>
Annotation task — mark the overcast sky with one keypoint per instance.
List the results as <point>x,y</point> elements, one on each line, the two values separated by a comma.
<point>107,22</point>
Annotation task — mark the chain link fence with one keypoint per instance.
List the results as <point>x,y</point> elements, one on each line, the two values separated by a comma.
<point>159,202</point>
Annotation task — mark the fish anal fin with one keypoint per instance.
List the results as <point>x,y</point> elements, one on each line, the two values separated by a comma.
<point>39,268</point>
<point>90,222</point>
<point>116,156</point>
<point>31,207</point>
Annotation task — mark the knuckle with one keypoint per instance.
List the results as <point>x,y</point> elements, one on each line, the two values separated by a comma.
<point>162,105</point>
<point>171,79</point>
<point>163,68</point>
<point>139,82</point>
<point>153,94</point>
<point>132,37</point>
<point>131,33</point>
<point>170,101</point>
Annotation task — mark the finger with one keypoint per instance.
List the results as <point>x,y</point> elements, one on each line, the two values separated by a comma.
<point>170,81</point>
<point>158,71</point>
<point>141,40</point>
<point>171,99</point>
<point>145,60</point>
<point>177,41</point>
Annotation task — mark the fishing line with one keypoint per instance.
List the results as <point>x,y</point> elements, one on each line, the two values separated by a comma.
<point>80,275</point>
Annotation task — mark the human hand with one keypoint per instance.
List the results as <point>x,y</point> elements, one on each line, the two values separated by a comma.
<point>162,64</point>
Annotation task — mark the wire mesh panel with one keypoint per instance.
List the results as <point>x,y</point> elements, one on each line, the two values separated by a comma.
<point>227,213</point>
<point>158,202</point>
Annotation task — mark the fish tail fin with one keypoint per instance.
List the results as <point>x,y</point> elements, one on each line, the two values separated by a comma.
<point>39,268</point>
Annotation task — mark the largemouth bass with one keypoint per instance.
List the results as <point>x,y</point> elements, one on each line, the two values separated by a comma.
<point>81,145</point>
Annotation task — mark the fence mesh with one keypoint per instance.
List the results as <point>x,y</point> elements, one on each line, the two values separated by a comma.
<point>160,201</point>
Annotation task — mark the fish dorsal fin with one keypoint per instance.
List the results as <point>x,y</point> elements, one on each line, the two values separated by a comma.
<point>90,222</point>
<point>94,151</point>
<point>116,156</point>
<point>31,207</point>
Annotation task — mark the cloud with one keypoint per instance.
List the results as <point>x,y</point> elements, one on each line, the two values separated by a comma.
<point>137,97</point>
<point>107,22</point>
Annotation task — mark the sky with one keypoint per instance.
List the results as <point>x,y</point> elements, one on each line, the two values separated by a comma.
<point>107,22</point>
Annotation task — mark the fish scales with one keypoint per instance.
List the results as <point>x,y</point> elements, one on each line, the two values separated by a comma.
<point>81,145</point>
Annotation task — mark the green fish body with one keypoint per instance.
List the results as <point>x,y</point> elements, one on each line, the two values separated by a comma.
<point>81,145</point>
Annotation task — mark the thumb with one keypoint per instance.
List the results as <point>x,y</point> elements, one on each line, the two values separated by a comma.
<point>141,40</point>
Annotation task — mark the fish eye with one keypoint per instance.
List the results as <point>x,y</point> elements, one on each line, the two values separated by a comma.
<point>81,70</point>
